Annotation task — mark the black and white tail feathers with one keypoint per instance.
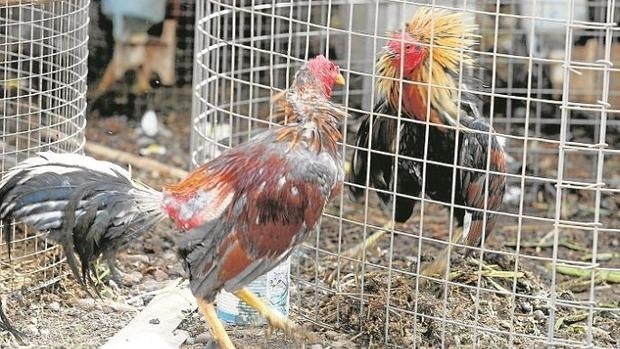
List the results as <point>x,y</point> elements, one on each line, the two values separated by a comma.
<point>90,207</point>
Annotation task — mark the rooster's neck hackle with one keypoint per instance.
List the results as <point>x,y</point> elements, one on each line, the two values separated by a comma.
<point>447,38</point>
<point>310,116</point>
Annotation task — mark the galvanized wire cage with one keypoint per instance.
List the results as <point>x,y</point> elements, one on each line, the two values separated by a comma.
<point>43,52</point>
<point>546,274</point>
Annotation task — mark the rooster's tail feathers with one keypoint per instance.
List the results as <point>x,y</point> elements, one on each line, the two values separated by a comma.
<point>88,206</point>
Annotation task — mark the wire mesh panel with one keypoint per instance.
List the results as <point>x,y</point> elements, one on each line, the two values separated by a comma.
<point>43,56</point>
<point>543,78</point>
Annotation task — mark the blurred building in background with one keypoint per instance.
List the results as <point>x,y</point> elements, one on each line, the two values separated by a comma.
<point>138,62</point>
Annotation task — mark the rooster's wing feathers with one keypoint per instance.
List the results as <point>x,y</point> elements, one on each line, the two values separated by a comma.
<point>278,199</point>
<point>382,139</point>
<point>473,156</point>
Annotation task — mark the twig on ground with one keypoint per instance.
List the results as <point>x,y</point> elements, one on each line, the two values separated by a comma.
<point>570,319</point>
<point>525,228</point>
<point>109,154</point>
<point>602,275</point>
<point>539,245</point>
<point>602,257</point>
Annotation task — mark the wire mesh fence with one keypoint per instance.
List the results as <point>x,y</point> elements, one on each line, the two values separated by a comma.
<point>43,52</point>
<point>543,78</point>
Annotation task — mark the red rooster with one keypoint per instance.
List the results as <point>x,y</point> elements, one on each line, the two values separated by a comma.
<point>427,56</point>
<point>243,212</point>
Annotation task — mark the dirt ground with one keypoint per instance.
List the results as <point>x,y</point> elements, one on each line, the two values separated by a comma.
<point>350,308</point>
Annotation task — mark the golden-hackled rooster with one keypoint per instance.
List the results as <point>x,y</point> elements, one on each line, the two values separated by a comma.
<point>419,81</point>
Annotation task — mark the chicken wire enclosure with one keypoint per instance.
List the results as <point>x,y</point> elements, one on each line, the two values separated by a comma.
<point>544,79</point>
<point>42,87</point>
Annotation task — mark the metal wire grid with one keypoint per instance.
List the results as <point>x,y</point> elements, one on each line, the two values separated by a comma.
<point>43,85</point>
<point>560,213</point>
<point>162,98</point>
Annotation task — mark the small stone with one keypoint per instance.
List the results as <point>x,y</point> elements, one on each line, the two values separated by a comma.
<point>136,258</point>
<point>332,334</point>
<point>539,315</point>
<point>154,321</point>
<point>341,344</point>
<point>316,346</point>
<point>44,332</point>
<point>203,338</point>
<point>150,285</point>
<point>114,125</point>
<point>147,299</point>
<point>212,345</point>
<point>132,278</point>
<point>526,307</point>
<point>170,257</point>
<point>114,286</point>
<point>136,302</point>
<point>180,334</point>
<point>54,306</point>
<point>85,303</point>
<point>119,307</point>
<point>31,330</point>
<point>160,275</point>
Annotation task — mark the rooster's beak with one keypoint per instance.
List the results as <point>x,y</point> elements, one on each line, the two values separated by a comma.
<point>340,79</point>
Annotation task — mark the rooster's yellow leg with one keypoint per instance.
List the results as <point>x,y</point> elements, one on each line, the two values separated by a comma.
<point>275,319</point>
<point>356,252</point>
<point>438,266</point>
<point>371,241</point>
<point>217,328</point>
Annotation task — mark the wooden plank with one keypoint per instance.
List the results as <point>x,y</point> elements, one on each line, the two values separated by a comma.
<point>155,326</point>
